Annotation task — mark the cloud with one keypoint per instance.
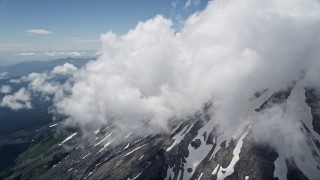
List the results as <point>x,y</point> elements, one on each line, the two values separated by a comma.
<point>96,54</point>
<point>17,101</point>
<point>26,54</point>
<point>5,89</point>
<point>38,32</point>
<point>174,3</point>
<point>67,68</point>
<point>53,53</point>
<point>191,3</point>
<point>15,81</point>
<point>39,82</point>
<point>46,84</point>
<point>73,53</point>
<point>3,75</point>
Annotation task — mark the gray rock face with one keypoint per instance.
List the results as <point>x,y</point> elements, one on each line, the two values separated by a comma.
<point>196,149</point>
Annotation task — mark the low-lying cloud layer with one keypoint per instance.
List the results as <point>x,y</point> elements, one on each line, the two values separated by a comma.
<point>53,53</point>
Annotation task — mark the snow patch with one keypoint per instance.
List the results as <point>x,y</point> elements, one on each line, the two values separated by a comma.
<point>281,169</point>
<point>96,131</point>
<point>177,127</point>
<point>215,169</point>
<point>70,169</point>
<point>104,147</point>
<point>136,141</point>
<point>128,135</point>
<point>86,156</point>
<point>53,125</point>
<point>177,139</point>
<point>135,176</point>
<point>200,176</point>
<point>170,173</point>
<point>68,138</point>
<point>127,146</point>
<point>197,155</point>
<point>306,162</point>
<point>104,139</point>
<point>135,150</point>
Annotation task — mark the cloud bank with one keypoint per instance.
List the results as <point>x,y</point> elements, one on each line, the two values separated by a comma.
<point>226,53</point>
<point>53,53</point>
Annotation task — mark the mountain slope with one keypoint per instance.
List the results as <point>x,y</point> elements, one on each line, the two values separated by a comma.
<point>196,148</point>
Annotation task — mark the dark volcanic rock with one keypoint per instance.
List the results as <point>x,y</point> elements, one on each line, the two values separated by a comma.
<point>196,143</point>
<point>294,173</point>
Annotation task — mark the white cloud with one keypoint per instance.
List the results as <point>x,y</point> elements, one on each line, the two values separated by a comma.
<point>15,81</point>
<point>227,53</point>
<point>191,3</point>
<point>50,53</point>
<point>67,68</point>
<point>74,53</point>
<point>3,75</point>
<point>26,54</point>
<point>39,83</point>
<point>96,54</point>
<point>17,101</point>
<point>174,3</point>
<point>38,32</point>
<point>53,53</point>
<point>5,89</point>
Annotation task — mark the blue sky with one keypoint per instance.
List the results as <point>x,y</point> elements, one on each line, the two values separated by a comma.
<point>48,29</point>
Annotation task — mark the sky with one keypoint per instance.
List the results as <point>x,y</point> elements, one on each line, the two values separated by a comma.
<point>42,29</point>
